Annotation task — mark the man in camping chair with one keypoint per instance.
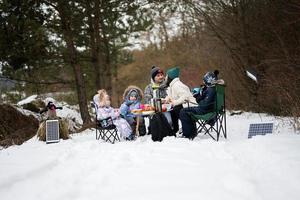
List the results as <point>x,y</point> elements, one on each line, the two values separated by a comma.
<point>205,97</point>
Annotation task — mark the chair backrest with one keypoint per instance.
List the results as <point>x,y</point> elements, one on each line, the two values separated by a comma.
<point>220,98</point>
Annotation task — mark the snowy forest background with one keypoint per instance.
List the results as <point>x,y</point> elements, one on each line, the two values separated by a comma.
<point>77,47</point>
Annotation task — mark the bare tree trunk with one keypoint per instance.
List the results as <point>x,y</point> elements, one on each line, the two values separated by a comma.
<point>100,55</point>
<point>74,62</point>
<point>93,14</point>
<point>164,40</point>
<point>1,101</point>
<point>108,79</point>
<point>105,72</point>
<point>106,76</point>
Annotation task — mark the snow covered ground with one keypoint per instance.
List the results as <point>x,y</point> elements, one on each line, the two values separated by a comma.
<point>264,167</point>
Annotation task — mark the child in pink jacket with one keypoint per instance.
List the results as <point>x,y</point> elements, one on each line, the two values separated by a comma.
<point>104,110</point>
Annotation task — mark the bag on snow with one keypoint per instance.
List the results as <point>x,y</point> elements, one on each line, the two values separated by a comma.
<point>159,127</point>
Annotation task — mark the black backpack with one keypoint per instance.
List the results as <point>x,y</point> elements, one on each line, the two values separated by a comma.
<point>159,127</point>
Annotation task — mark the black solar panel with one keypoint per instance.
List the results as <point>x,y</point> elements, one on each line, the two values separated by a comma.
<point>52,131</point>
<point>260,129</point>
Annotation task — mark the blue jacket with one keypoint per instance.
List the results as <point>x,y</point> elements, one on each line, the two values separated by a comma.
<point>206,99</point>
<point>127,106</point>
<point>126,109</point>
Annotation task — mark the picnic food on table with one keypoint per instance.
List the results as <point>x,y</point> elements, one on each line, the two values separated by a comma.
<point>137,111</point>
<point>147,107</point>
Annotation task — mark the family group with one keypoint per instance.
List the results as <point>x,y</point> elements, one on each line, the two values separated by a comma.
<point>172,92</point>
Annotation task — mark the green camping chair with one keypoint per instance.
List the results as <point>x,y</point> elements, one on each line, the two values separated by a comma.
<point>204,121</point>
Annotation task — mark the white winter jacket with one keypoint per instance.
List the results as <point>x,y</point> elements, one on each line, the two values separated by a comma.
<point>180,93</point>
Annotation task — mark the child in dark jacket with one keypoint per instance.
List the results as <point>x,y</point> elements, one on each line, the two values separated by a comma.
<point>205,98</point>
<point>132,100</point>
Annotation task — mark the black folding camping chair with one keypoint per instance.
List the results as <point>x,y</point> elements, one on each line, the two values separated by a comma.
<point>105,128</point>
<point>214,121</point>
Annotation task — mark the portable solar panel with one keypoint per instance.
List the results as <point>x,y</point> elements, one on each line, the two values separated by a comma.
<point>52,131</point>
<point>260,129</point>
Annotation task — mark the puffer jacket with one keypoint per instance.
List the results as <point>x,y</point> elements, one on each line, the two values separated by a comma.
<point>148,93</point>
<point>180,93</point>
<point>125,108</point>
<point>206,98</point>
<point>104,112</point>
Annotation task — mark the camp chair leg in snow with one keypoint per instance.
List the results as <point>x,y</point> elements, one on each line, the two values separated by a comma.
<point>214,121</point>
<point>107,130</point>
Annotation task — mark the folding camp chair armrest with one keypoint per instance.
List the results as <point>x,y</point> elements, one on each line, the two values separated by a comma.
<point>103,119</point>
<point>188,103</point>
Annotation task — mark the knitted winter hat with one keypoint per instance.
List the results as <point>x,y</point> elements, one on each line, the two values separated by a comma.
<point>173,72</point>
<point>133,93</point>
<point>210,78</point>
<point>155,70</point>
<point>216,73</point>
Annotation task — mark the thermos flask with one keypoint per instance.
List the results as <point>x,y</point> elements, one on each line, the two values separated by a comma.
<point>158,105</point>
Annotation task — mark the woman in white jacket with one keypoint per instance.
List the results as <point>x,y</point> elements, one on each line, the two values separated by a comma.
<point>178,95</point>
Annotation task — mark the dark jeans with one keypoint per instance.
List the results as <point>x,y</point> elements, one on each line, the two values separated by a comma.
<point>175,117</point>
<point>189,129</point>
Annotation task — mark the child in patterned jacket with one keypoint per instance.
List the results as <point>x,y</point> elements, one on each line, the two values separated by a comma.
<point>104,111</point>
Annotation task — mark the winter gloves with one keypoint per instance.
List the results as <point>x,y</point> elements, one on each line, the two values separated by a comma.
<point>128,102</point>
<point>196,91</point>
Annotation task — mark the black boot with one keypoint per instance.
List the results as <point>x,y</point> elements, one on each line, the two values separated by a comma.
<point>142,129</point>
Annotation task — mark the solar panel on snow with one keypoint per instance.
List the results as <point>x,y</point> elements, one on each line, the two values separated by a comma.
<point>52,131</point>
<point>260,129</point>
